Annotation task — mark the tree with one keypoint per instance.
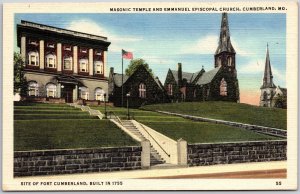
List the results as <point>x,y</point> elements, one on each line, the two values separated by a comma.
<point>20,83</point>
<point>134,64</point>
<point>280,101</point>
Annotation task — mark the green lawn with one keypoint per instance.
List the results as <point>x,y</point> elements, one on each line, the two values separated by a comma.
<point>50,126</point>
<point>194,132</point>
<point>67,134</point>
<point>244,113</point>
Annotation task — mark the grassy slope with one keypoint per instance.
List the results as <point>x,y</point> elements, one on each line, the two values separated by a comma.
<point>65,134</point>
<point>47,126</point>
<point>194,132</point>
<point>271,117</point>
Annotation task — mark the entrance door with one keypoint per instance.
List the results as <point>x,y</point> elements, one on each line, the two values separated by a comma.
<point>67,93</point>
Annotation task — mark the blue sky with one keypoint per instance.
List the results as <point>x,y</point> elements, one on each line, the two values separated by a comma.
<point>163,40</point>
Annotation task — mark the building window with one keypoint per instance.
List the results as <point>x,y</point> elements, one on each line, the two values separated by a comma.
<point>33,88</point>
<point>98,66</point>
<point>67,48</point>
<point>98,52</point>
<point>229,61</point>
<point>170,89</point>
<point>33,58</point>
<point>84,94</point>
<point>51,61</point>
<point>99,94</point>
<point>219,61</point>
<point>33,42</point>
<point>265,96</point>
<point>223,87</point>
<point>50,45</point>
<point>51,90</point>
<point>142,90</point>
<point>67,63</point>
<point>83,50</point>
<point>83,65</point>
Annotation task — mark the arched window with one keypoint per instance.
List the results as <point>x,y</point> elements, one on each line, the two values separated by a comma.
<point>99,94</point>
<point>98,66</point>
<point>33,58</point>
<point>84,93</point>
<point>229,61</point>
<point>219,62</point>
<point>83,65</point>
<point>68,63</point>
<point>265,96</point>
<point>51,60</point>
<point>223,87</point>
<point>170,89</point>
<point>33,88</point>
<point>142,90</point>
<point>51,90</point>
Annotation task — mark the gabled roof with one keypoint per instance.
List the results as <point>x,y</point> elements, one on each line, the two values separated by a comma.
<point>118,79</point>
<point>185,75</point>
<point>208,76</point>
<point>159,83</point>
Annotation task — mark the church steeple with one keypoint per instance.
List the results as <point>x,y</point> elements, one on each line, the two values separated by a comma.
<point>268,77</point>
<point>225,53</point>
<point>224,39</point>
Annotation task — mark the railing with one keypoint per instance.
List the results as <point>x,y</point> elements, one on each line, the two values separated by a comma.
<point>155,141</point>
<point>108,114</point>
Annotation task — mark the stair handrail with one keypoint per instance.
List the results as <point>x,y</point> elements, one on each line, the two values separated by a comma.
<point>155,140</point>
<point>118,118</point>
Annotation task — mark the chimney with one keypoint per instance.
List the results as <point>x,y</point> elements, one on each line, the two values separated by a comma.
<point>179,74</point>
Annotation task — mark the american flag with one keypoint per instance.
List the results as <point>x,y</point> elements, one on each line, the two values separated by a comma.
<point>127,55</point>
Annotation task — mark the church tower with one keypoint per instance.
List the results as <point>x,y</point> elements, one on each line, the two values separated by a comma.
<point>225,59</point>
<point>268,87</point>
<point>225,53</point>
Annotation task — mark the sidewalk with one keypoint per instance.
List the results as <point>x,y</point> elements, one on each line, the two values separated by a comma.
<point>260,168</point>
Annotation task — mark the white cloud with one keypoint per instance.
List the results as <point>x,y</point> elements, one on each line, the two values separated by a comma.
<point>258,67</point>
<point>209,44</point>
<point>205,45</point>
<point>91,27</point>
<point>158,60</point>
<point>237,45</point>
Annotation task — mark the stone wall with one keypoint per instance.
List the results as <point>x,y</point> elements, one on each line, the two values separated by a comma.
<point>50,162</point>
<point>256,128</point>
<point>240,152</point>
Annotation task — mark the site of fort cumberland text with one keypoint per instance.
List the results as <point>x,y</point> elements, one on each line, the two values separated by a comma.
<point>150,96</point>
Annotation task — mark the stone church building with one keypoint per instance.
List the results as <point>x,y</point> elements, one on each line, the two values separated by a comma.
<point>220,83</point>
<point>62,65</point>
<point>140,88</point>
<point>269,92</point>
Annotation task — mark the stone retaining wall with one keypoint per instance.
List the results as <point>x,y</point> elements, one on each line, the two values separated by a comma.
<point>260,129</point>
<point>50,162</point>
<point>240,152</point>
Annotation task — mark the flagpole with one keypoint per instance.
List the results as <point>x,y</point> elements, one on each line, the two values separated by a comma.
<point>122,78</point>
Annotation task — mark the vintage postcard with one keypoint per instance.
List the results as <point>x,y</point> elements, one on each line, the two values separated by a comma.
<point>150,96</point>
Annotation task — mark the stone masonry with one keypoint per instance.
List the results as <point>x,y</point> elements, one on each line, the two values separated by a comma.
<point>240,152</point>
<point>50,162</point>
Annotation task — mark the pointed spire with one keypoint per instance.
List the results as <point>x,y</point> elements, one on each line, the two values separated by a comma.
<point>268,77</point>
<point>224,39</point>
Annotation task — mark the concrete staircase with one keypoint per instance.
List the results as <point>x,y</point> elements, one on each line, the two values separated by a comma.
<point>155,157</point>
